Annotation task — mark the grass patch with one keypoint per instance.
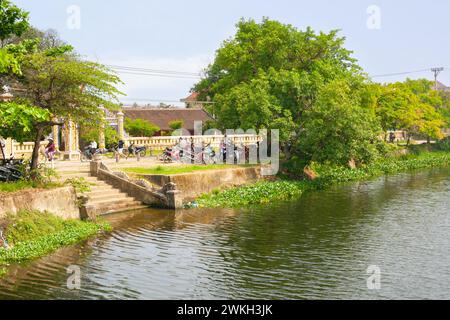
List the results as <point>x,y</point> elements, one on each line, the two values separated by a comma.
<point>33,234</point>
<point>8,187</point>
<point>266,192</point>
<point>167,170</point>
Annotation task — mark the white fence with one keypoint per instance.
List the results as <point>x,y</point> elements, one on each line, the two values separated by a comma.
<point>19,150</point>
<point>160,143</point>
<point>25,149</point>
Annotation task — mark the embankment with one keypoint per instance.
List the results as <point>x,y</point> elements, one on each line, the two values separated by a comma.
<point>62,202</point>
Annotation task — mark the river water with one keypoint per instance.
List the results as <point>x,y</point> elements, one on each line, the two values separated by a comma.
<point>319,247</point>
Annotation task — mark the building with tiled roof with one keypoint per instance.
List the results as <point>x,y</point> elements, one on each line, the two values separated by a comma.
<point>163,116</point>
<point>192,101</point>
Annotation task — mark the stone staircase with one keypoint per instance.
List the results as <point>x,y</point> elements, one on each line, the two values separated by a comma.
<point>103,197</point>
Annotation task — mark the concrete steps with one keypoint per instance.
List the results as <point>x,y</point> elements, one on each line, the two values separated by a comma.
<point>104,198</point>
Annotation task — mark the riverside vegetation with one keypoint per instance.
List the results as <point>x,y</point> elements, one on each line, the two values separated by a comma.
<point>266,192</point>
<point>33,234</point>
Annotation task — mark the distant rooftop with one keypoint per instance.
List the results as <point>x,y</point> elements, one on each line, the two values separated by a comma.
<point>442,87</point>
<point>163,116</point>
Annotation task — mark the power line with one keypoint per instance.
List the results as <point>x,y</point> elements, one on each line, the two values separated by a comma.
<point>154,70</point>
<point>159,75</point>
<point>163,100</point>
<point>193,75</point>
<point>399,73</point>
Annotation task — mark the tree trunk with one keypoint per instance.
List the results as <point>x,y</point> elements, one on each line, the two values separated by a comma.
<point>36,148</point>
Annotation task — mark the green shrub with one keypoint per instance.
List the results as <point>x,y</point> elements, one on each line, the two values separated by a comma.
<point>140,128</point>
<point>443,145</point>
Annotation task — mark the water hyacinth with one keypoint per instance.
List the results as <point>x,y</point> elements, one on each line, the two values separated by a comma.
<point>266,192</point>
<point>260,193</point>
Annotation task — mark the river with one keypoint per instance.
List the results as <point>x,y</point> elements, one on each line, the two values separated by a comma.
<point>319,247</point>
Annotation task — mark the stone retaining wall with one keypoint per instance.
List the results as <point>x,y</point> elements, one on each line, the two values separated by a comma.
<point>194,184</point>
<point>61,202</point>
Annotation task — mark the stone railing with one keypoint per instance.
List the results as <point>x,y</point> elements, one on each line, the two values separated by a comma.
<point>160,143</point>
<point>167,197</point>
<point>18,149</point>
<point>154,143</point>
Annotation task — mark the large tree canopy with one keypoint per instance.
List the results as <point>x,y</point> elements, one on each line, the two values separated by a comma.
<point>413,106</point>
<point>67,87</point>
<point>271,75</point>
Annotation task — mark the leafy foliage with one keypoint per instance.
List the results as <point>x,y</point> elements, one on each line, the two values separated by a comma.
<point>65,87</point>
<point>176,124</point>
<point>140,128</point>
<point>81,185</point>
<point>89,134</point>
<point>18,119</point>
<point>8,63</point>
<point>13,20</point>
<point>271,75</point>
<point>338,129</point>
<point>412,106</point>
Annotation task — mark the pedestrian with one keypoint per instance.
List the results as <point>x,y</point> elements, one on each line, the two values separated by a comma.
<point>50,150</point>
<point>192,150</point>
<point>119,150</point>
<point>392,137</point>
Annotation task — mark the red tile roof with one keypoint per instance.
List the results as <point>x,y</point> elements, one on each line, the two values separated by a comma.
<point>192,98</point>
<point>162,117</point>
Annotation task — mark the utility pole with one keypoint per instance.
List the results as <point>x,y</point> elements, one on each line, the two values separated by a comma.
<point>436,72</point>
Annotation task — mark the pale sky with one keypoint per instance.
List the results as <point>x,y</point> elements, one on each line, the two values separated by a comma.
<point>184,35</point>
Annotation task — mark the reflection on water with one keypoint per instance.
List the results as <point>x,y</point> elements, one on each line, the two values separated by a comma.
<point>319,247</point>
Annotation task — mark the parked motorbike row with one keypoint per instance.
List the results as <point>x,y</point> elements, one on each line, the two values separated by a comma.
<point>89,153</point>
<point>205,155</point>
<point>10,170</point>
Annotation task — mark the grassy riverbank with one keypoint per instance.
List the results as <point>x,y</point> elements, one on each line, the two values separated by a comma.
<point>266,192</point>
<point>32,234</point>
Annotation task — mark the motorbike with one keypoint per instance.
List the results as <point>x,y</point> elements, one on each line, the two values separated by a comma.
<point>88,154</point>
<point>10,170</point>
<point>134,151</point>
<point>170,154</point>
<point>234,157</point>
<point>209,155</point>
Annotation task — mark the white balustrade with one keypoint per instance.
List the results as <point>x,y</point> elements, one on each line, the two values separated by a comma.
<point>160,143</point>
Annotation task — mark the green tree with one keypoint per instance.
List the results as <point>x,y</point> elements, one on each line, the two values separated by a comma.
<point>271,75</point>
<point>338,130</point>
<point>13,21</point>
<point>89,134</point>
<point>176,124</point>
<point>140,127</point>
<point>412,106</point>
<point>8,63</point>
<point>17,119</point>
<point>67,87</point>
